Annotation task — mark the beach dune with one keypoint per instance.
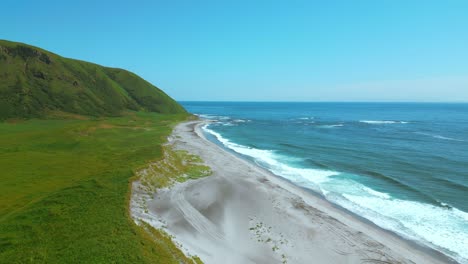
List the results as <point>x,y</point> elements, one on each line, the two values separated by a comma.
<point>244,214</point>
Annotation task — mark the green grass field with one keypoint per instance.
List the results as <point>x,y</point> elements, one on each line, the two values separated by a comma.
<point>65,187</point>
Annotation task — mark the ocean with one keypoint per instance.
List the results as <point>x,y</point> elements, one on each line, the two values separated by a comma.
<point>402,166</point>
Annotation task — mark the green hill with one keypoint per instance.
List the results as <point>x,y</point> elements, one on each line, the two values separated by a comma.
<point>65,189</point>
<point>65,177</point>
<point>35,82</point>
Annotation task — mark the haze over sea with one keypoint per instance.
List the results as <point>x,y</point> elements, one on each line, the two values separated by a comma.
<point>403,166</point>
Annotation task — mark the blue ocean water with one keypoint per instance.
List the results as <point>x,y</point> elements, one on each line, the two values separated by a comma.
<point>403,166</point>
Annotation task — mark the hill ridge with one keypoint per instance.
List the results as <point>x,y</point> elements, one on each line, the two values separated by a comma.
<point>35,81</point>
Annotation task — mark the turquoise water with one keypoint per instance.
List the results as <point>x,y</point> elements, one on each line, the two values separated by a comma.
<point>403,166</point>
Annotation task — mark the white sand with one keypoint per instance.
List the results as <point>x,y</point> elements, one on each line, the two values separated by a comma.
<point>244,214</point>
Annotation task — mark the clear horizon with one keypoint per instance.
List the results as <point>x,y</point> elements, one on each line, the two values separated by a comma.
<point>365,51</point>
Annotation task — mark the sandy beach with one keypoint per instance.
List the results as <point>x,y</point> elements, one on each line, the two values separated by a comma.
<point>244,214</point>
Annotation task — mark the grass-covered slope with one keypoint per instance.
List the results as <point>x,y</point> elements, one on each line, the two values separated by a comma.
<point>34,82</point>
<point>65,187</point>
<point>65,176</point>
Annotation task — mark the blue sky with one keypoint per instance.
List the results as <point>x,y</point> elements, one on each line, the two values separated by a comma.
<point>262,50</point>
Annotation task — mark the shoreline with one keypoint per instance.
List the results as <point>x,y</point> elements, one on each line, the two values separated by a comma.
<point>409,242</point>
<point>244,213</point>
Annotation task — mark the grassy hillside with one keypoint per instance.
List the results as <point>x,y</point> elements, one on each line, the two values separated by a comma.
<point>65,187</point>
<point>35,82</point>
<point>72,136</point>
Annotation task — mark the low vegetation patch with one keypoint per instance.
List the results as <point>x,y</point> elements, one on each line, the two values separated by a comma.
<point>176,166</point>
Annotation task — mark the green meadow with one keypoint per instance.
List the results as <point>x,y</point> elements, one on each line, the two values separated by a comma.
<point>65,187</point>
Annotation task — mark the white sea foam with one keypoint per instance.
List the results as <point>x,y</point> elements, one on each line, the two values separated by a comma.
<point>438,136</point>
<point>210,117</point>
<point>331,126</point>
<point>241,120</point>
<point>306,118</point>
<point>382,122</point>
<point>376,193</point>
<point>461,214</point>
<point>446,138</point>
<point>228,124</point>
<point>270,160</point>
<point>442,228</point>
<point>213,117</point>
